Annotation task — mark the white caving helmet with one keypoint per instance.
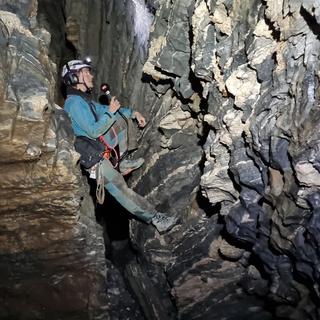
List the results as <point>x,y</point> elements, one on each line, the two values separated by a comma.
<point>70,69</point>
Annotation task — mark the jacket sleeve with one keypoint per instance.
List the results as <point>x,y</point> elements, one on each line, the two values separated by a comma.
<point>127,112</point>
<point>80,112</point>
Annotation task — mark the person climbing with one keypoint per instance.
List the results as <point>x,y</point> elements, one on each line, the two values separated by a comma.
<point>92,122</point>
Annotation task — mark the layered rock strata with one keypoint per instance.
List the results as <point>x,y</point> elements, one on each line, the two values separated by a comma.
<point>230,89</point>
<point>52,250</point>
<point>254,66</point>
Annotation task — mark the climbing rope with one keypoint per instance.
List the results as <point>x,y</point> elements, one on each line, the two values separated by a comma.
<point>100,192</point>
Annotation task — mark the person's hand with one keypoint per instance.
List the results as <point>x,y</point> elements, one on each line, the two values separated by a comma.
<point>114,105</point>
<point>140,118</point>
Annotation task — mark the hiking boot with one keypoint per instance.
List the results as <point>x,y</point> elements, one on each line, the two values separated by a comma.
<point>163,223</point>
<point>127,165</point>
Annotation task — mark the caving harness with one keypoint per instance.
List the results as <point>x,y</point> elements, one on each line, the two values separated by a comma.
<point>93,151</point>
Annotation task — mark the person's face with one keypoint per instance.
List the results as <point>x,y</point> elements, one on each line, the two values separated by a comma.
<point>86,76</point>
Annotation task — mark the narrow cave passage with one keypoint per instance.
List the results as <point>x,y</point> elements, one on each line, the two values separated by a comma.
<point>231,149</point>
<point>121,65</point>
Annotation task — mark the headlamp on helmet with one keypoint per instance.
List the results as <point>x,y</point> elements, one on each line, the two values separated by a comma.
<point>87,60</point>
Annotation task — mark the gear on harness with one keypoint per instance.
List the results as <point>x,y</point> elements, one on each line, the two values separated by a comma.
<point>111,150</point>
<point>93,150</point>
<point>105,151</point>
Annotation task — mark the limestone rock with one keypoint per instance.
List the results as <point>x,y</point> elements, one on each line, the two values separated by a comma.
<point>230,90</point>
<point>52,251</point>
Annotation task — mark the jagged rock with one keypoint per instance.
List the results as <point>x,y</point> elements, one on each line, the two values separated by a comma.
<point>279,154</point>
<point>203,42</point>
<point>276,182</point>
<point>238,155</point>
<point>230,252</point>
<point>184,87</point>
<point>245,171</point>
<point>26,10</point>
<point>243,84</point>
<point>52,252</point>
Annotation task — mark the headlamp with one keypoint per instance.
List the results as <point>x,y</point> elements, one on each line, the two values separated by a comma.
<point>87,60</point>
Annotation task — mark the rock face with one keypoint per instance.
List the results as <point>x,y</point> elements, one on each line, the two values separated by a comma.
<point>230,89</point>
<point>52,250</point>
<point>254,66</point>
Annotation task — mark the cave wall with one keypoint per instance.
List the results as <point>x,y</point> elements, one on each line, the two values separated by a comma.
<point>236,87</point>
<point>230,91</point>
<point>52,250</point>
<point>254,67</point>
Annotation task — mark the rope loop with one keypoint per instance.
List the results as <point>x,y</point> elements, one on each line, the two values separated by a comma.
<point>100,192</point>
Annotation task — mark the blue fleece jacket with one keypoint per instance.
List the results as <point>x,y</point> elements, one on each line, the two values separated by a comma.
<point>84,123</point>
